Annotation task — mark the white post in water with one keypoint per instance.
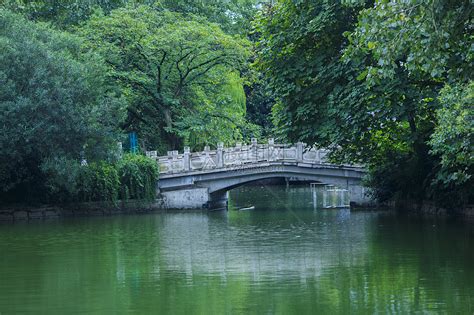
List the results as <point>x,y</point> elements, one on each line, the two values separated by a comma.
<point>325,191</point>
<point>315,198</point>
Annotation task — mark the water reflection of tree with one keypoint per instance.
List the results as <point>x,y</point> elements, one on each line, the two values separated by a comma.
<point>239,263</point>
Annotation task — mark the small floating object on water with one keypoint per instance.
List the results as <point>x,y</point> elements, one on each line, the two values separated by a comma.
<point>246,208</point>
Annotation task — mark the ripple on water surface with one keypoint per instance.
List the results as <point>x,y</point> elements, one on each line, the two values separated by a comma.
<point>283,256</point>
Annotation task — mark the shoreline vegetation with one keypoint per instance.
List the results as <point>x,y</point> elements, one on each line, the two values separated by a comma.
<point>386,84</point>
<point>20,213</point>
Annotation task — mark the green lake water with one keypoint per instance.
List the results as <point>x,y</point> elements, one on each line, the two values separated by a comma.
<point>284,256</point>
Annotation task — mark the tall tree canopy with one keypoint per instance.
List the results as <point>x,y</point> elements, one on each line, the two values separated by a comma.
<point>53,105</point>
<point>233,16</point>
<point>299,51</point>
<point>405,54</point>
<point>175,71</point>
<point>367,83</point>
<point>62,13</point>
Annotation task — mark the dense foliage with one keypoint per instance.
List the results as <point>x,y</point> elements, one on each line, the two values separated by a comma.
<point>97,182</point>
<point>453,141</point>
<point>232,15</point>
<point>383,83</point>
<point>132,177</point>
<point>179,74</point>
<point>53,104</point>
<point>159,68</point>
<point>379,84</point>
<point>138,175</point>
<point>299,52</point>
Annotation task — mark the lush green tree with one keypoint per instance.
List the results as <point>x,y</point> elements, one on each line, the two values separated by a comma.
<point>54,106</point>
<point>366,82</point>
<point>406,52</point>
<point>233,16</point>
<point>219,117</point>
<point>259,101</point>
<point>61,13</point>
<point>175,71</point>
<point>453,141</point>
<point>299,52</point>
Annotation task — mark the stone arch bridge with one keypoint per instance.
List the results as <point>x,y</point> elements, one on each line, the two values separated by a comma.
<point>202,179</point>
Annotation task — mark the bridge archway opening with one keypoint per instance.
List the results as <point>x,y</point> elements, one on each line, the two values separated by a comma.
<point>219,198</point>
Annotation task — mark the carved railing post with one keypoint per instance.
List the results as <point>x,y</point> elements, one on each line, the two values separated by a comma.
<point>220,155</point>
<point>254,148</point>
<point>208,162</point>
<point>169,155</point>
<point>271,143</point>
<point>241,154</point>
<point>238,155</point>
<point>187,159</point>
<point>299,152</point>
<point>172,158</point>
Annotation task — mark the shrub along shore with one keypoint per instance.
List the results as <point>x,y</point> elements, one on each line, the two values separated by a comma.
<point>98,188</point>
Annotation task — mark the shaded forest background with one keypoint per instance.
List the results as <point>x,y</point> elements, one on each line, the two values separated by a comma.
<point>385,83</point>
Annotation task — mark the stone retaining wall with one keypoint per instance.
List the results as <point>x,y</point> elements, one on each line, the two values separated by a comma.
<point>18,213</point>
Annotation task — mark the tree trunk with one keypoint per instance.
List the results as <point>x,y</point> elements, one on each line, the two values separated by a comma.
<point>173,141</point>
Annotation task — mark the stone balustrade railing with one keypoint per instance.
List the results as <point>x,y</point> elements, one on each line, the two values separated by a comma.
<point>239,156</point>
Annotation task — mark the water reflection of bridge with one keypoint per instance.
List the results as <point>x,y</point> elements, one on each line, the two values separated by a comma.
<point>202,179</point>
<point>198,244</point>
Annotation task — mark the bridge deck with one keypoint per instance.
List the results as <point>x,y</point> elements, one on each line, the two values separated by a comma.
<point>236,169</point>
<point>241,157</point>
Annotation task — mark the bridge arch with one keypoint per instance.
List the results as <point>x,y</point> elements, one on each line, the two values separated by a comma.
<point>210,187</point>
<point>228,183</point>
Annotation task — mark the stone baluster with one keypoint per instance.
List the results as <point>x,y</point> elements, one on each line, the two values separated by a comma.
<point>271,143</point>
<point>220,155</point>
<point>171,159</point>
<point>254,148</point>
<point>207,159</point>
<point>207,149</point>
<point>299,151</point>
<point>238,155</point>
<point>176,161</point>
<point>187,159</point>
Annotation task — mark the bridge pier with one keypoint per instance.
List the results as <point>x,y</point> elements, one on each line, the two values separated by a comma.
<point>218,200</point>
<point>189,198</point>
<point>192,198</point>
